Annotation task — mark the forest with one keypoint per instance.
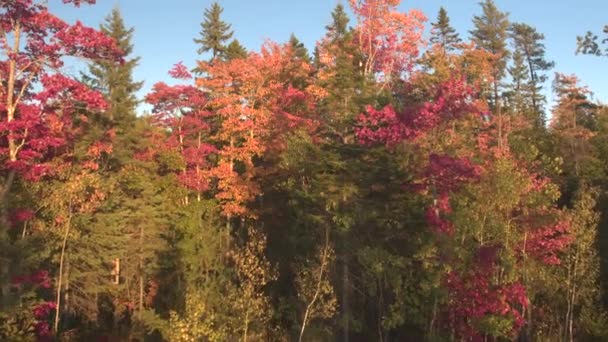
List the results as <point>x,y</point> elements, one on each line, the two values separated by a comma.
<point>401,182</point>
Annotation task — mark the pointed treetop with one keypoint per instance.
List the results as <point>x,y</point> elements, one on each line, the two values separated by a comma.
<point>299,49</point>
<point>214,32</point>
<point>491,27</point>
<point>443,33</point>
<point>339,25</point>
<point>235,51</point>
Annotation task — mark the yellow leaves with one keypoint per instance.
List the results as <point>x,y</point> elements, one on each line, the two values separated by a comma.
<point>198,323</point>
<point>313,285</point>
<point>252,308</point>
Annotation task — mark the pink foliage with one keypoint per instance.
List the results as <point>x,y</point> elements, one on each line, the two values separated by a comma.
<point>474,297</point>
<point>179,71</point>
<point>452,100</point>
<point>547,242</point>
<point>37,279</point>
<point>181,110</point>
<point>21,215</point>
<point>389,40</point>
<point>37,117</point>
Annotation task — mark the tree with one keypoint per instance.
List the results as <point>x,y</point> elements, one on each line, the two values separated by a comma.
<point>40,107</point>
<point>115,80</point>
<point>529,43</point>
<point>235,50</point>
<point>519,90</point>
<point>490,33</point>
<point>28,60</point>
<point>588,44</point>
<point>214,32</point>
<point>388,40</point>
<point>573,123</point>
<point>299,48</point>
<point>443,33</point>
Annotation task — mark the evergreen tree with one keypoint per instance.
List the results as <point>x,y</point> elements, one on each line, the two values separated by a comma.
<point>340,74</point>
<point>529,43</point>
<point>299,49</point>
<point>338,29</point>
<point>443,33</point>
<point>235,51</point>
<point>490,33</point>
<point>589,45</point>
<point>115,79</point>
<point>214,32</point>
<point>518,89</point>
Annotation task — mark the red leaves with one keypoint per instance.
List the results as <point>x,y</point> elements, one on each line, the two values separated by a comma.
<point>474,297</point>
<point>256,106</point>
<point>452,100</point>
<point>42,313</point>
<point>20,215</point>
<point>546,243</point>
<point>37,114</point>
<point>182,111</point>
<point>82,41</point>
<point>180,72</point>
<point>37,279</point>
<point>446,173</point>
<point>381,126</point>
<point>389,40</point>
<point>77,3</point>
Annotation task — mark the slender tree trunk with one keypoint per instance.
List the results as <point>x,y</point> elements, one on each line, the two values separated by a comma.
<point>345,302</point>
<point>246,330</point>
<point>10,94</point>
<point>319,285</point>
<point>498,114</point>
<point>60,275</point>
<point>141,270</point>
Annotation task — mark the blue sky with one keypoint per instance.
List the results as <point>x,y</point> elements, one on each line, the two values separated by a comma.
<point>164,29</point>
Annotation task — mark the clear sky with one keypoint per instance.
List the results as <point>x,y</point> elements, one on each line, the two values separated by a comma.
<point>164,29</point>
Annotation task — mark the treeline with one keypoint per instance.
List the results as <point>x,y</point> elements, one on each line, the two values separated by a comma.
<point>380,188</point>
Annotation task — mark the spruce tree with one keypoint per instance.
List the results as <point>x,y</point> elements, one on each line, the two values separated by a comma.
<point>214,32</point>
<point>115,79</point>
<point>518,89</point>
<point>299,49</point>
<point>345,80</point>
<point>338,29</point>
<point>235,51</point>
<point>443,33</point>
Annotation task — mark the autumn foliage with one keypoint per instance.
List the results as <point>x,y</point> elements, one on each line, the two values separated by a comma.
<point>381,189</point>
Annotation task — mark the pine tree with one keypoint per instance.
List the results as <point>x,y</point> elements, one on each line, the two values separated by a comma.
<point>115,79</point>
<point>490,33</point>
<point>528,42</point>
<point>444,34</point>
<point>589,45</point>
<point>235,51</point>
<point>214,32</point>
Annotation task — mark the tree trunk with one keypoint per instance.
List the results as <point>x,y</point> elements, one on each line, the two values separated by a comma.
<point>319,284</point>
<point>141,270</point>
<point>60,275</point>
